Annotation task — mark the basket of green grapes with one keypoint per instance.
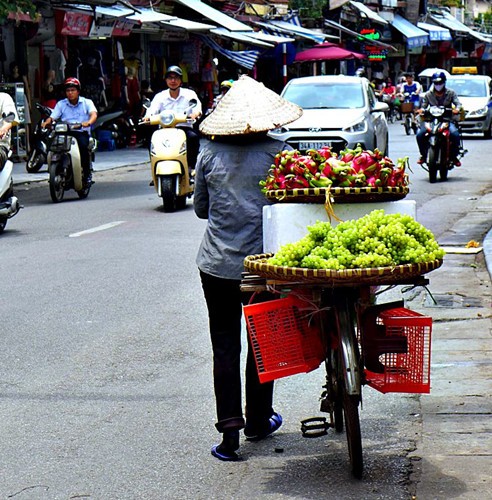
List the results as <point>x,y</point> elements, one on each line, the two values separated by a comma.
<point>374,249</point>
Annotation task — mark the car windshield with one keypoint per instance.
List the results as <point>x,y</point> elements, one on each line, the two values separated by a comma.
<point>326,95</point>
<point>467,87</point>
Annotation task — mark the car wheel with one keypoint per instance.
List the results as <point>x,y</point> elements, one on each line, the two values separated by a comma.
<point>488,132</point>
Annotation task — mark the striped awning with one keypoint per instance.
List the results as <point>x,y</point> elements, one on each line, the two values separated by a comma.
<point>245,58</point>
<point>415,36</point>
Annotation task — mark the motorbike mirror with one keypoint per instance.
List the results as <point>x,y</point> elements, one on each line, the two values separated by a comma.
<point>193,103</point>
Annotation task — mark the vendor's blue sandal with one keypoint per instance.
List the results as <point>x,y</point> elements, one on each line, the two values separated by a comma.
<point>274,423</point>
<point>226,451</point>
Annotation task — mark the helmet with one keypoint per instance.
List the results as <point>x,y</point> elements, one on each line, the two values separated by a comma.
<point>226,84</point>
<point>439,77</point>
<point>72,82</point>
<point>174,69</point>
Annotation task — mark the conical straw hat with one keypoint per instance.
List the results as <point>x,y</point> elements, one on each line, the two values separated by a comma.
<point>247,108</point>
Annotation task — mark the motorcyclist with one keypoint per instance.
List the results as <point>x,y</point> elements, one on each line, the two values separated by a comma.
<point>175,98</point>
<point>412,88</point>
<point>77,109</point>
<point>7,106</point>
<point>224,88</point>
<point>439,95</point>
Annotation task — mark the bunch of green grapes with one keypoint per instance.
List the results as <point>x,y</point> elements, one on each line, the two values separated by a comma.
<point>375,240</point>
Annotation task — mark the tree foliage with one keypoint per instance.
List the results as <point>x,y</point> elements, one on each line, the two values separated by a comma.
<point>24,6</point>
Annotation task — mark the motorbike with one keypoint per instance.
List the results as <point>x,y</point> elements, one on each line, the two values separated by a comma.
<point>437,119</point>
<point>9,204</point>
<point>115,129</point>
<point>407,108</point>
<point>168,158</point>
<point>64,162</point>
<point>38,154</point>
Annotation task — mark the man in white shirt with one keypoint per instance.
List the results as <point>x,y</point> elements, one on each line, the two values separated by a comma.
<point>177,99</point>
<point>7,106</point>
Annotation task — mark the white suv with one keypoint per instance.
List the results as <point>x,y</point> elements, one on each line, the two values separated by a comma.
<point>339,111</point>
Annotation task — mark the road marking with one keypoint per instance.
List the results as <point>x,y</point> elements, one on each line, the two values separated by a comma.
<point>109,225</point>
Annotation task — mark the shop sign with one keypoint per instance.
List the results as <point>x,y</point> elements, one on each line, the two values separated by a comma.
<point>123,27</point>
<point>174,35</point>
<point>72,23</point>
<point>373,52</point>
<point>101,29</point>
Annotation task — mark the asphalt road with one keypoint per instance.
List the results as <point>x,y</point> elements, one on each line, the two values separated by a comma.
<point>105,380</point>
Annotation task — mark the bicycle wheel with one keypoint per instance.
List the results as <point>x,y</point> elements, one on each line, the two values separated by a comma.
<point>354,438</point>
<point>350,375</point>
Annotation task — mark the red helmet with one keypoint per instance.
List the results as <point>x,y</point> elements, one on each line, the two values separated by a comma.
<point>72,82</point>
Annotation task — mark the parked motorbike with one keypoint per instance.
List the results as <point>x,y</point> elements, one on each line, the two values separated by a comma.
<point>408,110</point>
<point>9,204</point>
<point>39,153</point>
<point>64,163</point>
<point>168,158</point>
<point>117,126</point>
<point>437,119</point>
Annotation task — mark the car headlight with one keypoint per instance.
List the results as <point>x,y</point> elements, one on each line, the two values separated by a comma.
<point>358,127</point>
<point>479,112</point>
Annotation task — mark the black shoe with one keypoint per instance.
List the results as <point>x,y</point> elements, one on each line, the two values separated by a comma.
<point>151,183</point>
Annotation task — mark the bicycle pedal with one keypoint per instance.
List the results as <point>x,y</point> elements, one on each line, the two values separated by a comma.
<point>314,427</point>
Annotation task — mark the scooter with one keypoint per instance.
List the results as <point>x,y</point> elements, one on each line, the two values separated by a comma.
<point>168,159</point>
<point>39,153</point>
<point>64,163</point>
<point>437,119</point>
<point>9,204</point>
<point>116,126</point>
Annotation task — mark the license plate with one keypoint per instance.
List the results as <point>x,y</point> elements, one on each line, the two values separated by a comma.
<point>313,145</point>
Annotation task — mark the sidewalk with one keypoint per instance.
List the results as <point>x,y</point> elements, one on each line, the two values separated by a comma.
<point>453,455</point>
<point>105,160</point>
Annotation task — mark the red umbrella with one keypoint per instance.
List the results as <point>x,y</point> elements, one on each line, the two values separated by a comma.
<point>327,51</point>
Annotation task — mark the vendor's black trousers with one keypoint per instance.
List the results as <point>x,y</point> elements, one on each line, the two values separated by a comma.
<point>224,301</point>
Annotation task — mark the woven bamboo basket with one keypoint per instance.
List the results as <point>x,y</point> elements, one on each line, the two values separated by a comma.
<point>258,264</point>
<point>338,194</point>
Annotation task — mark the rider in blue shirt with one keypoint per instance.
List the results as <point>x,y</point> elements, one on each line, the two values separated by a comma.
<point>77,109</point>
<point>413,88</point>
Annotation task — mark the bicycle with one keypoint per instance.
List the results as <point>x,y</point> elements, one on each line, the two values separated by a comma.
<point>343,315</point>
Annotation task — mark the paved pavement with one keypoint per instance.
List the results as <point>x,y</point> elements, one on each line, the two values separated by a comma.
<point>452,457</point>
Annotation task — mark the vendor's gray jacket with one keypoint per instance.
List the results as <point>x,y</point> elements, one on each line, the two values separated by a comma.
<point>227,193</point>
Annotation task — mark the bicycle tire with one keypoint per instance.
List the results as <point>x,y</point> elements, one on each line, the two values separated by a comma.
<point>354,437</point>
<point>350,383</point>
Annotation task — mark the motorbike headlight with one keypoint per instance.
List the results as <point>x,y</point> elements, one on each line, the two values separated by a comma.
<point>166,117</point>
<point>479,113</point>
<point>436,110</point>
<point>61,127</point>
<point>359,127</point>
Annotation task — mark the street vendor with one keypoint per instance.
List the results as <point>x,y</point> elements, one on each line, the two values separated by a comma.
<point>230,166</point>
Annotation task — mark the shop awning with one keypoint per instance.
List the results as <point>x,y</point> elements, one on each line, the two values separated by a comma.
<point>367,12</point>
<point>149,16</point>
<point>244,37</point>
<point>215,15</point>
<point>188,25</point>
<point>245,58</point>
<point>448,21</point>
<point>436,33</point>
<point>415,36</point>
<point>284,27</point>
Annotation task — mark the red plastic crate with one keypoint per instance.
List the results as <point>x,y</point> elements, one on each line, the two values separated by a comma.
<point>407,369</point>
<point>284,340</point>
